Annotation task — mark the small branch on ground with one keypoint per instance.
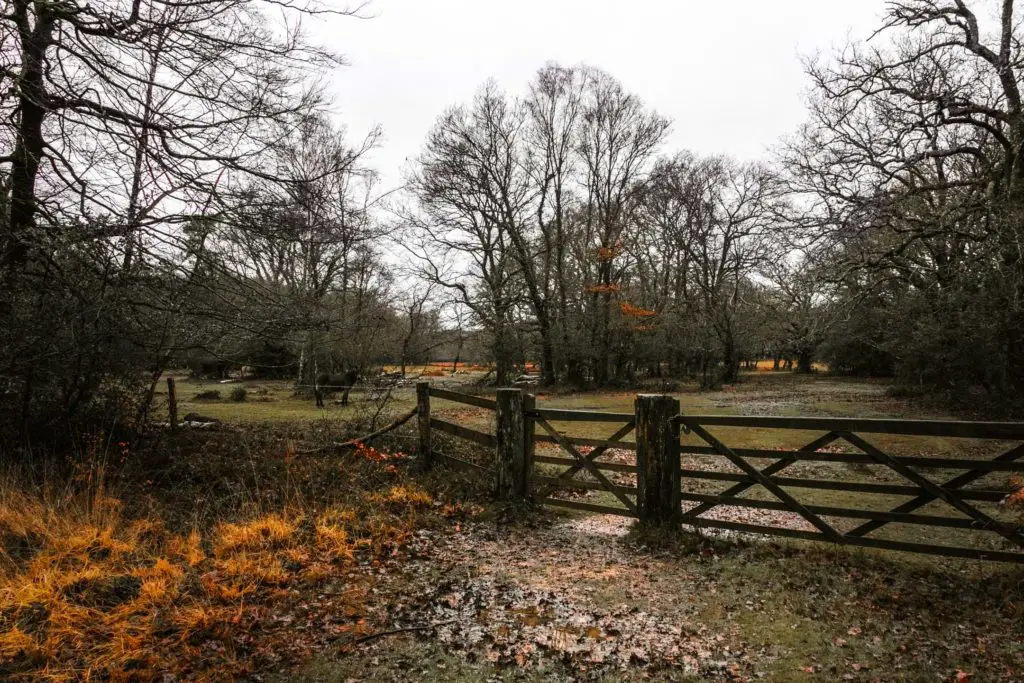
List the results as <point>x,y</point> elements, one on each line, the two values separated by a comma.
<point>352,443</point>
<point>350,646</point>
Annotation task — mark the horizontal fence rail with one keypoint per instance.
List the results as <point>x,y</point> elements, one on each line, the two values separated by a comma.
<point>1011,431</point>
<point>467,399</point>
<point>833,485</point>
<point>860,458</point>
<point>428,424</point>
<point>556,415</point>
<point>473,435</point>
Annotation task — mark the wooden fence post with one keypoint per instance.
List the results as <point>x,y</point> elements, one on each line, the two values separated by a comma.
<point>529,430</point>
<point>423,417</point>
<point>172,404</point>
<point>657,458</point>
<point>510,451</point>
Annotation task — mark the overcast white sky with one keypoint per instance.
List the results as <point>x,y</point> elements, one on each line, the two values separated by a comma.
<point>727,72</point>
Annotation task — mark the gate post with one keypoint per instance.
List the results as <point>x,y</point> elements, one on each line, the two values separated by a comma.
<point>510,450</point>
<point>657,458</point>
<point>172,404</point>
<point>529,429</point>
<point>423,418</point>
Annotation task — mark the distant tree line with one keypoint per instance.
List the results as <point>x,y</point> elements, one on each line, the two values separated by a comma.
<point>884,238</point>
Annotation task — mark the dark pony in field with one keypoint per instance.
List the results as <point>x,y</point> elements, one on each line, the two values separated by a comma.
<point>328,384</point>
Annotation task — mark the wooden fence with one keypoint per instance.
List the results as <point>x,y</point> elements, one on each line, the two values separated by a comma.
<point>664,488</point>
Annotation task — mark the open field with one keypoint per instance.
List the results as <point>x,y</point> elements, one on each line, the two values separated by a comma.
<point>272,401</point>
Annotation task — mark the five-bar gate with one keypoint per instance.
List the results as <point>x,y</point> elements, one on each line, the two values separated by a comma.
<point>644,477</point>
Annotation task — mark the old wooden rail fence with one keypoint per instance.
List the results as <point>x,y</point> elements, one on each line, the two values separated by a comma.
<point>659,493</point>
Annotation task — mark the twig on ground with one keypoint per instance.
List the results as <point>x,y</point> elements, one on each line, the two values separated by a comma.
<point>352,443</point>
<point>395,631</point>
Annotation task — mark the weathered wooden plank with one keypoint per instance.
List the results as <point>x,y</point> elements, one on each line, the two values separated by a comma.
<point>460,464</point>
<point>950,486</point>
<point>593,443</point>
<point>831,511</point>
<point>854,486</point>
<point>905,546</point>
<point>425,448</point>
<point>764,481</point>
<point>557,415</point>
<point>657,458</point>
<point>952,428</point>
<point>556,483</point>
<point>569,462</point>
<point>1008,532</point>
<point>463,432</point>
<point>593,455</point>
<point>510,450</point>
<point>776,466</point>
<point>588,507</point>
<point>862,459</point>
<point>596,473</point>
<point>455,396</point>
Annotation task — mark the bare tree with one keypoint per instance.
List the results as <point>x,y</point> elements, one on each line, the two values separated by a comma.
<point>470,197</point>
<point>186,90</point>
<point>302,232</point>
<point>617,140</point>
<point>911,168</point>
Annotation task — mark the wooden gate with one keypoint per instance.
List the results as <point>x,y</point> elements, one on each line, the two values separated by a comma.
<point>585,462</point>
<point>667,491</point>
<point>917,488</point>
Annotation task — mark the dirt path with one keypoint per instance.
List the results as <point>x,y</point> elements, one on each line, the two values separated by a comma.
<point>579,598</point>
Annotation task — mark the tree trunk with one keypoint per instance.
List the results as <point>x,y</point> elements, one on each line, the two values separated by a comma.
<point>29,146</point>
<point>547,352</point>
<point>730,362</point>
<point>803,362</point>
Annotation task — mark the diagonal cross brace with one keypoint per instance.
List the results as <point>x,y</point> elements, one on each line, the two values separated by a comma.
<point>775,467</point>
<point>984,521</point>
<point>764,481</point>
<point>956,482</point>
<point>590,467</point>
<point>591,456</point>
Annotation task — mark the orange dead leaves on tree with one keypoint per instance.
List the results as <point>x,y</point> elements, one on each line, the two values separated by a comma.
<point>605,254</point>
<point>612,288</point>
<point>635,311</point>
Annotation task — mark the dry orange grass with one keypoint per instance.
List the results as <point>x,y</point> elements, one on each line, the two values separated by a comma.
<point>88,594</point>
<point>442,368</point>
<point>768,366</point>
